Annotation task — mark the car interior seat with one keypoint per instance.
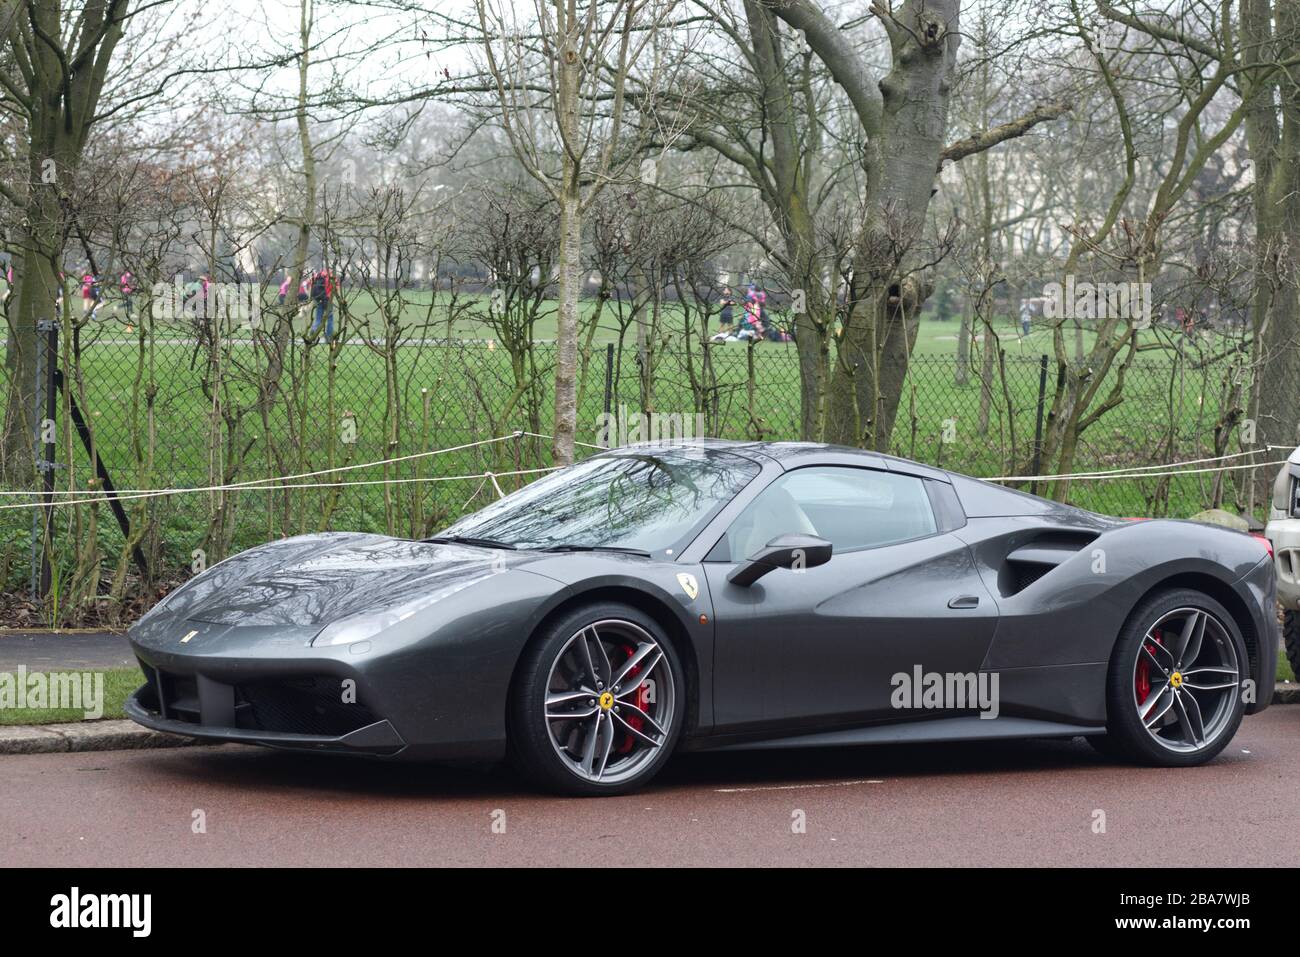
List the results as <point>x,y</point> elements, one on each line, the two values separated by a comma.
<point>774,513</point>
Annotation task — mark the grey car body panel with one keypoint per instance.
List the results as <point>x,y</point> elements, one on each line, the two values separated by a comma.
<point>795,655</point>
<point>798,650</point>
<point>965,728</point>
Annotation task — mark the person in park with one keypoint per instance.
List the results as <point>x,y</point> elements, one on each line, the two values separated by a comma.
<point>322,297</point>
<point>726,317</point>
<point>755,305</point>
<point>90,294</point>
<point>195,297</point>
<point>284,286</point>
<point>126,283</point>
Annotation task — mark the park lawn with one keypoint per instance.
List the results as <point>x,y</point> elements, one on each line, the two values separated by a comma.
<point>451,394</point>
<point>936,336</point>
<point>119,683</point>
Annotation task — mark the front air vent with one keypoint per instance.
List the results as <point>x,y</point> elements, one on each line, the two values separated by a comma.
<point>1033,559</point>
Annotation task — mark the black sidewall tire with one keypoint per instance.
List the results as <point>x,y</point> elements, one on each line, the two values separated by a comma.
<point>529,741</point>
<point>1291,638</point>
<point>1124,728</point>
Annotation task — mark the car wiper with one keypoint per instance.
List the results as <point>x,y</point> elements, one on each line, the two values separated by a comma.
<point>469,540</point>
<point>571,547</point>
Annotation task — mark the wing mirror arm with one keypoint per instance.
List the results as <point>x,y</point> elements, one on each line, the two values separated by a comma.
<point>785,551</point>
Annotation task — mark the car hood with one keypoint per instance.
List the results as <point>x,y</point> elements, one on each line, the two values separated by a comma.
<point>312,580</point>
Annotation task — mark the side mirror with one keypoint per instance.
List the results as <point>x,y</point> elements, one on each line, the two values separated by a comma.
<point>786,551</point>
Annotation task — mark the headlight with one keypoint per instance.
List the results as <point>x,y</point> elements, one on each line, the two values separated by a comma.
<point>370,623</point>
<point>1282,490</point>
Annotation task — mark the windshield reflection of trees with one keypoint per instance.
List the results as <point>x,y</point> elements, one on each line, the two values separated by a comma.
<point>633,500</point>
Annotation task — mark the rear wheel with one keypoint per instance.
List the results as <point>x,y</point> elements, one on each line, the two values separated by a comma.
<point>598,703</point>
<point>1174,682</point>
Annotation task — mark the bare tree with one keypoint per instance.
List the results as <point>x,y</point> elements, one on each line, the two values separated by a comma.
<point>59,58</point>
<point>561,84</point>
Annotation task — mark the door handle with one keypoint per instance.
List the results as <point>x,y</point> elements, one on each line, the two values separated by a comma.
<point>964,601</point>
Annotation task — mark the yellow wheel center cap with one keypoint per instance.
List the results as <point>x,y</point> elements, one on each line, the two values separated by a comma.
<point>1176,679</point>
<point>606,701</point>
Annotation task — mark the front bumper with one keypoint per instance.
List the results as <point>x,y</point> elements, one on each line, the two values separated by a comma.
<point>1257,589</point>
<point>411,696</point>
<point>1284,533</point>
<point>378,738</point>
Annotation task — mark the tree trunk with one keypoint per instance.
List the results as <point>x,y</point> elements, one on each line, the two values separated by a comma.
<point>60,102</point>
<point>1276,153</point>
<point>962,375</point>
<point>566,336</point>
<point>37,278</point>
<point>867,382</point>
<point>570,258</point>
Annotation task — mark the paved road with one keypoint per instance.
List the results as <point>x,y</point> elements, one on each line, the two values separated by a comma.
<point>75,651</point>
<point>1010,803</point>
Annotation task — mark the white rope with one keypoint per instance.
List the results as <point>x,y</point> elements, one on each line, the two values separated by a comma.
<point>255,483</point>
<point>484,476</point>
<point>286,482</point>
<point>585,445</point>
<point>1103,476</point>
<point>1130,470</point>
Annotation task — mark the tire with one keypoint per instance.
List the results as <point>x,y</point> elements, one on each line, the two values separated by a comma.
<point>1291,638</point>
<point>576,726</point>
<point>1193,701</point>
<point>1107,747</point>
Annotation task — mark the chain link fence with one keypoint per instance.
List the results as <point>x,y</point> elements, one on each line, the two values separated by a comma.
<point>175,409</point>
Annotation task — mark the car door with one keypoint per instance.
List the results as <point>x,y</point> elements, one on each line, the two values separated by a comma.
<point>819,646</point>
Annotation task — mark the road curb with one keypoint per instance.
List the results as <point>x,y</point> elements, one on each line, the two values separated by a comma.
<point>1286,694</point>
<point>113,735</point>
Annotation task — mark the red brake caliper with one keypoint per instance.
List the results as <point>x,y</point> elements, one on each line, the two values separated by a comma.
<point>642,700</point>
<point>1142,680</point>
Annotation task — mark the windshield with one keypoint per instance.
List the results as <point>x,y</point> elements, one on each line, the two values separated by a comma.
<point>651,501</point>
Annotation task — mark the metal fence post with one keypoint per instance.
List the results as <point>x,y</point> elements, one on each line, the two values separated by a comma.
<point>1038,423</point>
<point>609,376</point>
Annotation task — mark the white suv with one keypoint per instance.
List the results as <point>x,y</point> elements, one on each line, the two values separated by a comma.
<point>1283,532</point>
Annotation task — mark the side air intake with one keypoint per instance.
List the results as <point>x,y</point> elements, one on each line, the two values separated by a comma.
<point>1034,559</point>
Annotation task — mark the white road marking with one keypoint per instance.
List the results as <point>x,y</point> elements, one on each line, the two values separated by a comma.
<point>797,787</point>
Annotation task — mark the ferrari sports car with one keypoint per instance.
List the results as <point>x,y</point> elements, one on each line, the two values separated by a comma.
<point>723,595</point>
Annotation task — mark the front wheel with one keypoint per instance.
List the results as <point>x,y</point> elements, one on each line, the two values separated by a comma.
<point>1174,684</point>
<point>1291,639</point>
<point>598,703</point>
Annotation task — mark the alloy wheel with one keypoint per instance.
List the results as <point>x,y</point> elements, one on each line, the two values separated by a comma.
<point>610,701</point>
<point>1185,679</point>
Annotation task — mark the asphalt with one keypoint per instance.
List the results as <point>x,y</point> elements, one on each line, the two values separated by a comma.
<point>998,803</point>
<point>59,651</point>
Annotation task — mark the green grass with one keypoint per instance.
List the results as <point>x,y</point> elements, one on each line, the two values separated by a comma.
<point>424,313</point>
<point>453,393</point>
<point>119,683</point>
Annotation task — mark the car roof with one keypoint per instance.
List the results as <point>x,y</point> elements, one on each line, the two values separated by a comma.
<point>796,454</point>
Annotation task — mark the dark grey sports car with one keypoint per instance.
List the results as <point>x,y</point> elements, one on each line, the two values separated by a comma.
<point>723,595</point>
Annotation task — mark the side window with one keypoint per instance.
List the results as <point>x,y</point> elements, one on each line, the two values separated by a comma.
<point>850,508</point>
